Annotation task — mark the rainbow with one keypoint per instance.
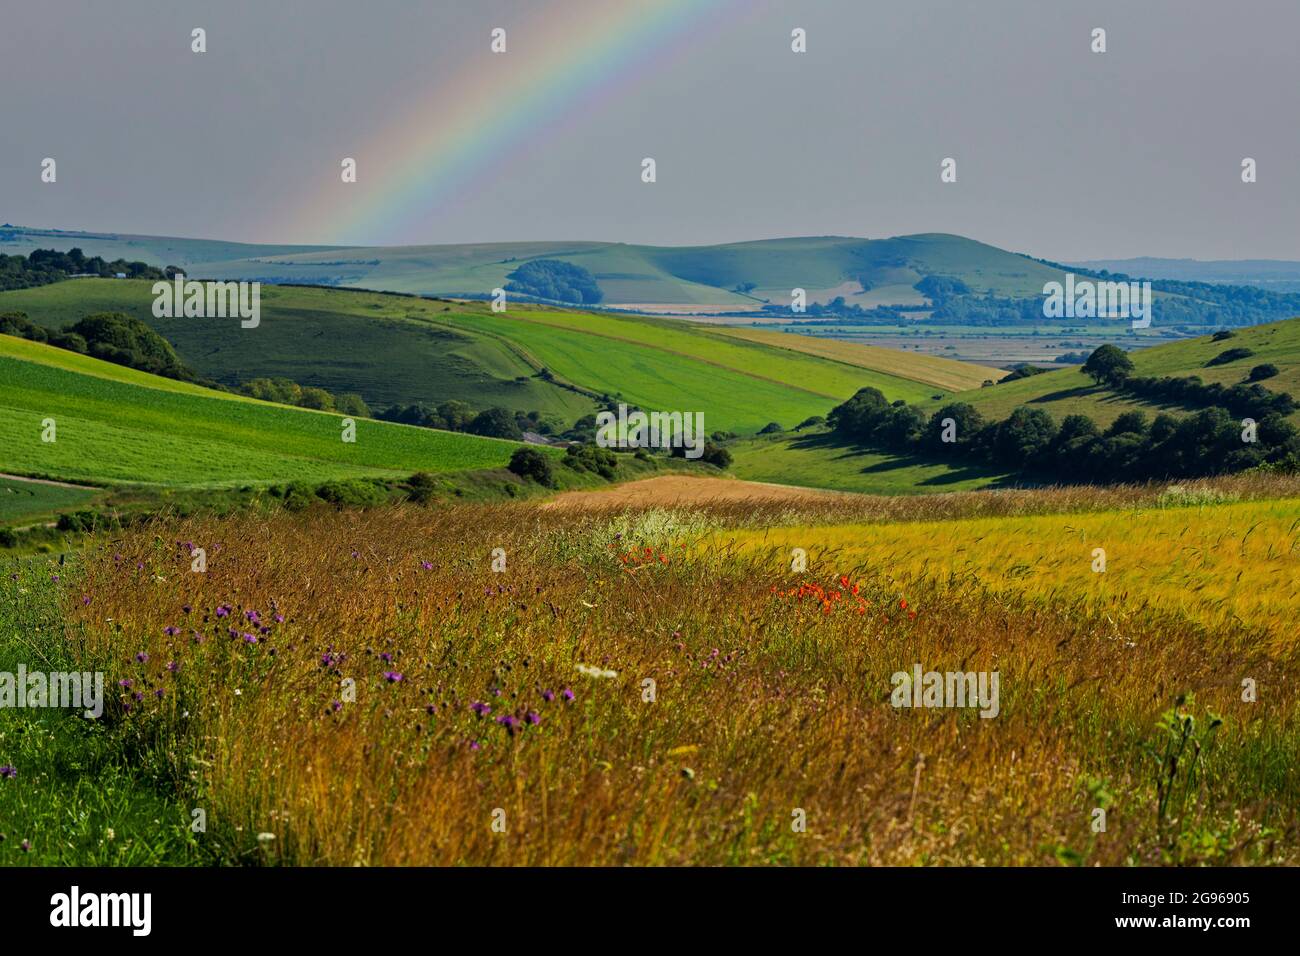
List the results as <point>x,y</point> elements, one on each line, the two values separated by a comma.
<point>554,67</point>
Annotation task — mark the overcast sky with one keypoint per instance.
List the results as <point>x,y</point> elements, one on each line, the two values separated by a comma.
<point>1061,153</point>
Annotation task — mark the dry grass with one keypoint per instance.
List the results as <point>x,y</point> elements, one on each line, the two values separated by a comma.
<point>765,703</point>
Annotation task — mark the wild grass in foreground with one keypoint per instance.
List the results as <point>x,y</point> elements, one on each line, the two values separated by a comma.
<point>363,688</point>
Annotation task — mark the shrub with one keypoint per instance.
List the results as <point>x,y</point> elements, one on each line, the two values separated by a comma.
<point>351,493</point>
<point>1261,372</point>
<point>533,464</point>
<point>423,487</point>
<point>70,341</point>
<point>771,428</point>
<point>600,461</point>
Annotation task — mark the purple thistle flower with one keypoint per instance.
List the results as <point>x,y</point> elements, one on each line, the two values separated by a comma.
<point>533,717</point>
<point>250,638</point>
<point>428,566</point>
<point>279,619</point>
<point>171,630</point>
<point>126,682</point>
<point>138,696</point>
<point>386,657</point>
<point>548,695</point>
<point>173,667</point>
<point>480,708</point>
<point>392,677</point>
<point>509,722</point>
<point>567,695</point>
<point>142,657</point>
<point>336,706</point>
<point>8,771</point>
<point>85,599</point>
<point>185,609</point>
<point>158,693</point>
<point>223,610</point>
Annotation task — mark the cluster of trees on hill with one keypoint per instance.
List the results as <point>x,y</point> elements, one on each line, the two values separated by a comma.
<point>555,280</point>
<point>1211,441</point>
<point>110,336</point>
<point>1108,365</point>
<point>44,266</point>
<point>288,392</point>
<point>458,416</point>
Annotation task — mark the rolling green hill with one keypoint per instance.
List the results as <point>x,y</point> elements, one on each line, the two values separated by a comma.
<point>1068,391</point>
<point>382,346</point>
<point>687,276</point>
<point>116,425</point>
<point>401,349</point>
<point>816,459</point>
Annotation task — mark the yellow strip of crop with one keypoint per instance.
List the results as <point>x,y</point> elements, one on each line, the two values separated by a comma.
<point>1222,566</point>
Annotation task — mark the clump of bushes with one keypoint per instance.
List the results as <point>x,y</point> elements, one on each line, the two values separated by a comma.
<point>342,493</point>
<point>592,458</point>
<point>534,465</point>
<point>1261,372</point>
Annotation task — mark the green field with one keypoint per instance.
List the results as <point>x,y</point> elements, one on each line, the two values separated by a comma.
<point>1068,391</point>
<point>382,346</point>
<point>111,428</point>
<point>393,348</point>
<point>31,501</point>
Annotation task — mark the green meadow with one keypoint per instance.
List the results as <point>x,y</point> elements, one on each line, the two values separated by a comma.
<point>109,429</point>
<point>400,349</point>
<point>32,501</point>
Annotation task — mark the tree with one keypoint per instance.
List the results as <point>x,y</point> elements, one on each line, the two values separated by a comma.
<point>1109,365</point>
<point>495,423</point>
<point>1022,438</point>
<point>531,463</point>
<point>350,403</point>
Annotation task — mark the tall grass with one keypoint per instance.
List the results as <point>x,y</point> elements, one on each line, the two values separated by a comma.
<point>768,698</point>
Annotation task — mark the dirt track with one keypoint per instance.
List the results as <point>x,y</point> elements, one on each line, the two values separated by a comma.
<point>679,489</point>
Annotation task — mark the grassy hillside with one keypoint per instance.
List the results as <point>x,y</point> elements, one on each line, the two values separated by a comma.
<point>112,427</point>
<point>30,501</point>
<point>1068,391</point>
<point>393,348</point>
<point>382,346</point>
<point>689,276</point>
<point>933,370</point>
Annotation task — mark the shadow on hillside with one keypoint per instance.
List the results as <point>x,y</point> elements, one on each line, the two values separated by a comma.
<point>1064,393</point>
<point>954,472</point>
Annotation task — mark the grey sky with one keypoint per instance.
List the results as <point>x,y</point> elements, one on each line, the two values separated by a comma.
<point>1061,153</point>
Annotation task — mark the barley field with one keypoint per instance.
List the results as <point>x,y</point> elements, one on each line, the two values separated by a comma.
<point>657,685</point>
